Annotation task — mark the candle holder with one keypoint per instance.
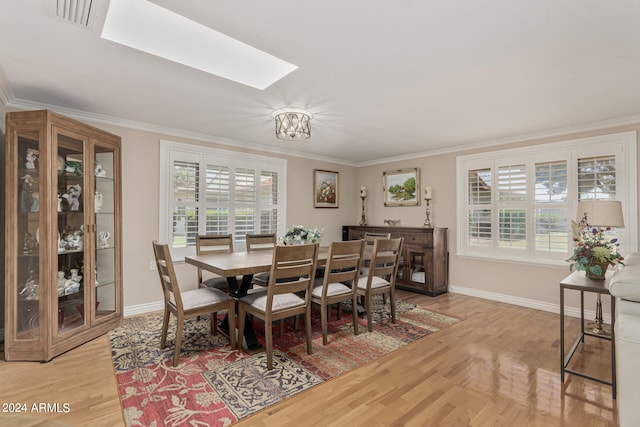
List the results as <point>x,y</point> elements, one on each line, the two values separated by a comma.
<point>363,217</point>
<point>427,221</point>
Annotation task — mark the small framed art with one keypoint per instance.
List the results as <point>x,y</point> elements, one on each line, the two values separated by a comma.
<point>401,187</point>
<point>325,189</point>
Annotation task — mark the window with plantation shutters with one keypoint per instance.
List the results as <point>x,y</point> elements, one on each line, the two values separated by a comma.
<point>218,196</point>
<point>479,210</point>
<point>551,213</point>
<point>597,177</point>
<point>511,204</point>
<point>211,191</point>
<point>185,177</point>
<point>518,204</point>
<point>268,201</point>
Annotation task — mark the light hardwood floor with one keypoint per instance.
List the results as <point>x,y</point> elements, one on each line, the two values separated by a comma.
<point>499,366</point>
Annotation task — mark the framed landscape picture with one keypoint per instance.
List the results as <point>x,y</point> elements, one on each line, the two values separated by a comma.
<point>402,187</point>
<point>325,189</point>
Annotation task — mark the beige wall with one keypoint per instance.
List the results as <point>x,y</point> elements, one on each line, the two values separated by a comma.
<point>533,285</point>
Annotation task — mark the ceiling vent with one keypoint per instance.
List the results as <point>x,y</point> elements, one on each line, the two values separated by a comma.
<point>77,12</point>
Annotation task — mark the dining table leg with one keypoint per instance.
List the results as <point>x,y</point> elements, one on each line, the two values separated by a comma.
<point>238,290</point>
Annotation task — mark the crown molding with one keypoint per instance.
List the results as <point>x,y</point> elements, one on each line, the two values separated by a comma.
<point>585,127</point>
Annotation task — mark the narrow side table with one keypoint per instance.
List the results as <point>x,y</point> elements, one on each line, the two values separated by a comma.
<point>578,281</point>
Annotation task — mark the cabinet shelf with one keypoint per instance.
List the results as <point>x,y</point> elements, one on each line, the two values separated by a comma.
<point>69,294</point>
<point>101,284</point>
<point>74,251</point>
<point>40,329</point>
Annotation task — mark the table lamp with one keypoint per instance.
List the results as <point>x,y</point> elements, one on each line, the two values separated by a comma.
<point>601,213</point>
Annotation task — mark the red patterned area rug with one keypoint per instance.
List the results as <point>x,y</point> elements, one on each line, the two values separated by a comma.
<point>215,385</point>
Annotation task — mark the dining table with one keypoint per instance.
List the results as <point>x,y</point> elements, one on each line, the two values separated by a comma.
<point>245,264</point>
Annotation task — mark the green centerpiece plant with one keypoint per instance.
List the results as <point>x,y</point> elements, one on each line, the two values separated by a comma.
<point>593,250</point>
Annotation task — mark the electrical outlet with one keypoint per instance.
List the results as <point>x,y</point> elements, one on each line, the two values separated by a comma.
<point>152,266</point>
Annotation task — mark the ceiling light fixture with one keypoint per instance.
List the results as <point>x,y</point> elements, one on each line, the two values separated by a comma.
<point>292,124</point>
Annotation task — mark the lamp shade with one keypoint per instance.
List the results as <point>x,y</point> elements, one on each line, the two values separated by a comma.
<point>601,213</point>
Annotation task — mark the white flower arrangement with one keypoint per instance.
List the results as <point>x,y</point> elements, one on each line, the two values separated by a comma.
<point>300,235</point>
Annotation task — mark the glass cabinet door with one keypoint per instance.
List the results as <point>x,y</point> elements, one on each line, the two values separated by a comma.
<point>28,268</point>
<point>71,165</point>
<point>105,222</point>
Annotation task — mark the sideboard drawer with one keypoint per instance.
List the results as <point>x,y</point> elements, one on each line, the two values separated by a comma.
<point>422,239</point>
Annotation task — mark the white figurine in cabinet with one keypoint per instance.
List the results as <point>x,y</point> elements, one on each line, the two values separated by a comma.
<point>99,170</point>
<point>74,197</point>
<point>30,290</point>
<point>60,244</point>
<point>31,157</point>
<point>104,239</point>
<point>72,286</point>
<point>61,282</point>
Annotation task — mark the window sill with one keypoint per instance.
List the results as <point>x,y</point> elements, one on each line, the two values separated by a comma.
<point>551,263</point>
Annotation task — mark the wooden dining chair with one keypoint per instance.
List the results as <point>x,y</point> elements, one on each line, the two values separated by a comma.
<point>292,272</point>
<point>187,304</point>
<point>210,244</point>
<point>338,285</point>
<point>369,238</point>
<point>260,242</point>
<point>381,278</point>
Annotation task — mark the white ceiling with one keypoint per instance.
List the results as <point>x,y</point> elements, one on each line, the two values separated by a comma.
<point>383,79</point>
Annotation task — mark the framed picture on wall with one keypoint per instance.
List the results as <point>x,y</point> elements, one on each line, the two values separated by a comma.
<point>401,187</point>
<point>325,189</point>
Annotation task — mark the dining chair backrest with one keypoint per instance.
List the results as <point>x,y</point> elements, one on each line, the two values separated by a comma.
<point>370,237</point>
<point>168,279</point>
<point>385,259</point>
<point>211,244</point>
<point>292,270</point>
<point>343,262</point>
<point>214,244</point>
<point>260,242</point>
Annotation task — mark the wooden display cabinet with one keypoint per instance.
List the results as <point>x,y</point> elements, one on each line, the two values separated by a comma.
<point>63,275</point>
<point>425,256</point>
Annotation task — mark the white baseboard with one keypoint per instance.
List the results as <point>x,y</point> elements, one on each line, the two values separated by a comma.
<point>529,303</point>
<point>134,310</point>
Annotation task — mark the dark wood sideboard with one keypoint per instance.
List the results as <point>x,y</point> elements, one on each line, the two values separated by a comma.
<point>425,256</point>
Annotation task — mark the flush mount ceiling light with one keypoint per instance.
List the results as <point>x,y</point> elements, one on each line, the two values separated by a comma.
<point>292,124</point>
<point>150,28</point>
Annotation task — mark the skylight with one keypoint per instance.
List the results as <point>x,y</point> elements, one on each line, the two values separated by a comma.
<point>152,29</point>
